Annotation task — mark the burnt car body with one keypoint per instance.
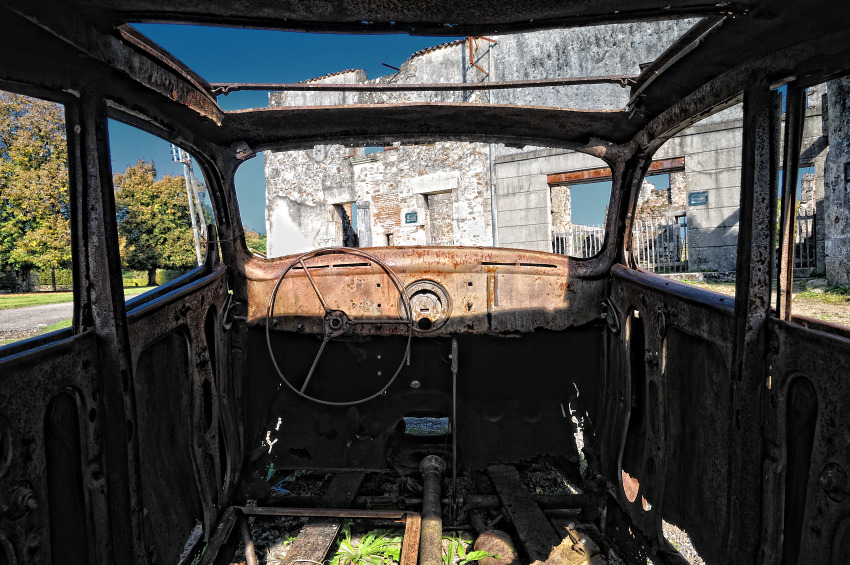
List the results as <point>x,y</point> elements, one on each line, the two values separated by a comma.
<point>140,424</point>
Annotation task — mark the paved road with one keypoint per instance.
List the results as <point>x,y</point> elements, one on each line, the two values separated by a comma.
<point>32,318</point>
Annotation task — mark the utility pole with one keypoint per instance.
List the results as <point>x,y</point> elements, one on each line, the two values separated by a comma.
<point>180,156</point>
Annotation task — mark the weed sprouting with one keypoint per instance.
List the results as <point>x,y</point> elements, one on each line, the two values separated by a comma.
<point>455,553</point>
<point>377,547</point>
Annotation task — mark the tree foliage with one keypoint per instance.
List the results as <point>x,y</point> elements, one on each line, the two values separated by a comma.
<point>153,220</point>
<point>256,242</point>
<point>35,210</point>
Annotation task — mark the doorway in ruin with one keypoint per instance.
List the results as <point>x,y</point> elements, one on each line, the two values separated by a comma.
<point>346,221</point>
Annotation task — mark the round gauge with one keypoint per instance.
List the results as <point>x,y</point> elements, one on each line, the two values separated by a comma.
<point>430,305</point>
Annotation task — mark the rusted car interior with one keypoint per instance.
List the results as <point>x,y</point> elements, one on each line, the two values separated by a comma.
<point>143,433</point>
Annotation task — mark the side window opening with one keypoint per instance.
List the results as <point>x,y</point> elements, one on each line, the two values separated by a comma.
<point>816,285</point>
<point>36,278</point>
<point>162,209</point>
<point>687,212</point>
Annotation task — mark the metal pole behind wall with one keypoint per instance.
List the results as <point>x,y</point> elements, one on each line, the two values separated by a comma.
<point>178,156</point>
<point>192,214</point>
<point>492,176</point>
<point>199,208</point>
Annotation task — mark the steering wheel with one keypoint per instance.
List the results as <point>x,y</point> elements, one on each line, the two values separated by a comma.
<point>336,322</point>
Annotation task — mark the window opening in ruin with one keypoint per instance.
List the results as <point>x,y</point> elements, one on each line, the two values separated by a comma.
<point>659,182</point>
<point>423,194</point>
<point>389,239</point>
<point>35,218</point>
<point>578,203</point>
<point>346,220</point>
<point>164,214</point>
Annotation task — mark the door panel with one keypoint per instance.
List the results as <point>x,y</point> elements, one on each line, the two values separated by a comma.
<point>807,418</point>
<point>187,445</point>
<point>668,410</point>
<point>52,483</point>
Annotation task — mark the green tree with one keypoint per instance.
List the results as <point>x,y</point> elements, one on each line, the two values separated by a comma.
<point>35,229</point>
<point>153,220</point>
<point>256,242</point>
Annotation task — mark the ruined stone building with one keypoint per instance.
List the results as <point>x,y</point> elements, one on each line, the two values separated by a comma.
<point>443,193</point>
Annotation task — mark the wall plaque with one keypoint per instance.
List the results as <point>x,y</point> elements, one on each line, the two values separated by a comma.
<point>698,198</point>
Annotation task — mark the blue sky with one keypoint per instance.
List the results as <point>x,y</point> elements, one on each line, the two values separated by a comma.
<point>239,55</point>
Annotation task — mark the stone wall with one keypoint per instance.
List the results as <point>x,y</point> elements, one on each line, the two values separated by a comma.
<point>404,195</point>
<point>302,187</point>
<point>836,203</point>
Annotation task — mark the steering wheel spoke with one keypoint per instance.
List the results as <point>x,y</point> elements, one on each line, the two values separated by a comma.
<point>335,323</point>
<point>313,283</point>
<point>315,362</point>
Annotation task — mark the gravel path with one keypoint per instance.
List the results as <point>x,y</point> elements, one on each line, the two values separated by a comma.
<point>21,323</point>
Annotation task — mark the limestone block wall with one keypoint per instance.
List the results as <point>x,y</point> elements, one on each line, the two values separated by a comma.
<point>404,195</point>
<point>617,49</point>
<point>523,194</point>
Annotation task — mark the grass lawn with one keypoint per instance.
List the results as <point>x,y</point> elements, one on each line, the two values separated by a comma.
<point>38,298</point>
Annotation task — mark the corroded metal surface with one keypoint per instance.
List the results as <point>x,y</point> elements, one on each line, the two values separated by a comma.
<point>228,87</point>
<point>28,385</point>
<point>732,424</point>
<point>301,127</point>
<point>491,290</point>
<point>807,445</point>
<point>431,529</point>
<point>685,418</point>
<point>431,17</point>
<point>196,382</point>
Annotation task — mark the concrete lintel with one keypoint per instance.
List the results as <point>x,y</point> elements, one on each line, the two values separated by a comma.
<point>444,181</point>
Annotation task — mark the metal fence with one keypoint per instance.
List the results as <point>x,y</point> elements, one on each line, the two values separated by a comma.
<point>661,244</point>
<point>579,241</point>
<point>805,241</point>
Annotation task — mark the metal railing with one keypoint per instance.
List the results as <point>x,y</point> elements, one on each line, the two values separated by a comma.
<point>661,244</point>
<point>805,241</point>
<point>578,241</point>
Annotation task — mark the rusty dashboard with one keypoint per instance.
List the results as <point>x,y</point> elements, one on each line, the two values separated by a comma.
<point>450,290</point>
